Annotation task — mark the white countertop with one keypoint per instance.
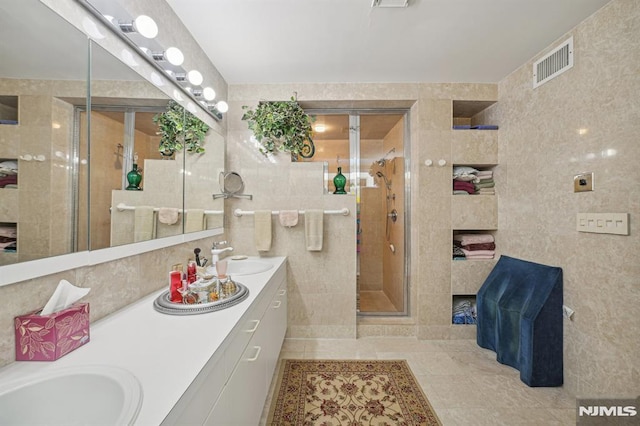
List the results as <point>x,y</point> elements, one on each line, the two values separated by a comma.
<point>165,352</point>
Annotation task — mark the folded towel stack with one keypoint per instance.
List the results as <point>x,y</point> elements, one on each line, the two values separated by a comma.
<point>468,180</point>
<point>8,174</point>
<point>8,238</point>
<point>484,183</point>
<point>473,246</point>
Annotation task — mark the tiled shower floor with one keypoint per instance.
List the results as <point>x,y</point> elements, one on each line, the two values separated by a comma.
<point>375,301</point>
<point>464,383</point>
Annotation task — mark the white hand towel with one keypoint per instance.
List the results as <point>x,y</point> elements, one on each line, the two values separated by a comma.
<point>194,221</point>
<point>288,217</point>
<point>144,224</point>
<point>262,221</point>
<point>167,215</point>
<point>313,229</point>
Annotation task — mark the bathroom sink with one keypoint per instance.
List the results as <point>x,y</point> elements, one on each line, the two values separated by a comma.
<point>88,395</point>
<point>244,267</point>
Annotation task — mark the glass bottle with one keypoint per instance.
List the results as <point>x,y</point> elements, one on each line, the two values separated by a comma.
<point>339,181</point>
<point>134,178</point>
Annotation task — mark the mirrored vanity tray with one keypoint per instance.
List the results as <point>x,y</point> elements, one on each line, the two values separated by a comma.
<point>164,304</point>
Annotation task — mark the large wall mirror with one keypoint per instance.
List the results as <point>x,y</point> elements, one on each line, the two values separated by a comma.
<point>41,85</point>
<point>63,171</point>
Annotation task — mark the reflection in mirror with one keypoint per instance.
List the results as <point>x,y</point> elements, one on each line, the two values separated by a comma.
<point>139,192</point>
<point>136,194</point>
<point>42,81</point>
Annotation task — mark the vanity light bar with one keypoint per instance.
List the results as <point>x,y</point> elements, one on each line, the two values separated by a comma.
<point>146,27</point>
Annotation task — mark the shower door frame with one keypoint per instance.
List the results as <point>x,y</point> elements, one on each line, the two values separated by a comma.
<point>354,165</point>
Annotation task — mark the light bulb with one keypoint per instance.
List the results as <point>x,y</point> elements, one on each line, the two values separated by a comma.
<point>174,56</point>
<point>208,93</point>
<point>320,128</point>
<point>146,26</point>
<point>195,77</point>
<point>222,106</point>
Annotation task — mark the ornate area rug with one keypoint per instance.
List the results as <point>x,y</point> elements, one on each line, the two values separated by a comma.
<point>349,393</point>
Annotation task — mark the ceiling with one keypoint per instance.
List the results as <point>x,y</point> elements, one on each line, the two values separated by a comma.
<point>306,41</point>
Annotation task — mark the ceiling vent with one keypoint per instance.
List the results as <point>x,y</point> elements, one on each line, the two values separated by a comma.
<point>390,3</point>
<point>553,63</point>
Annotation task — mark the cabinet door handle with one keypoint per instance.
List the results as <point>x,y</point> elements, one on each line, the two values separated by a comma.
<point>277,304</point>
<point>255,327</point>
<point>282,292</point>
<point>255,357</point>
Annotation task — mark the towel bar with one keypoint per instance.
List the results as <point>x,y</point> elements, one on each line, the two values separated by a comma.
<point>122,207</point>
<point>240,212</point>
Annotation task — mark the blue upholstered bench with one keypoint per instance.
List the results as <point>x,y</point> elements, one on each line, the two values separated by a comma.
<point>520,318</point>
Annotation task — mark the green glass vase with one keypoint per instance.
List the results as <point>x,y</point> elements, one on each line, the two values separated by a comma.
<point>339,181</point>
<point>134,178</point>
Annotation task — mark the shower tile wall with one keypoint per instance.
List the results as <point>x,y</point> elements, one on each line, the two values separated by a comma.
<point>372,247</point>
<point>393,261</point>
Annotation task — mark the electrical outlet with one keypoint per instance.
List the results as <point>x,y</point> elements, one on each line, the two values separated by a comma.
<point>567,312</point>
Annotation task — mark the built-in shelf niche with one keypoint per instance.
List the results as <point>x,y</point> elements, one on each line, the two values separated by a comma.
<point>471,113</point>
<point>8,235</point>
<point>463,309</point>
<point>8,110</point>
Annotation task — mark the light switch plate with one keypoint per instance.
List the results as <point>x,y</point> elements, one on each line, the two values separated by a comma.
<point>603,223</point>
<point>583,182</point>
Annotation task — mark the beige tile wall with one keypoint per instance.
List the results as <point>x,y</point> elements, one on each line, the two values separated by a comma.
<point>541,147</point>
<point>316,309</point>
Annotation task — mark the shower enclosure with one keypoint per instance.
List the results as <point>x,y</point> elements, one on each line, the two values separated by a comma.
<point>369,147</point>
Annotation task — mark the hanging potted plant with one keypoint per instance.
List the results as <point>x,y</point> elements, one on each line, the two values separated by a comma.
<point>281,126</point>
<point>179,128</point>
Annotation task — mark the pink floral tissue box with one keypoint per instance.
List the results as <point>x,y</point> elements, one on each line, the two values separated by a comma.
<point>49,337</point>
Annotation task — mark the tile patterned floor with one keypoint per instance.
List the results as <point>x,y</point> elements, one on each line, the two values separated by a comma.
<point>464,383</point>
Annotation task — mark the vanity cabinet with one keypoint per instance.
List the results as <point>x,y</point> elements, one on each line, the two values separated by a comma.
<point>243,397</point>
<point>232,387</point>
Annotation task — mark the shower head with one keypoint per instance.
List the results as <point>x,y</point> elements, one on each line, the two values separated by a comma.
<point>386,181</point>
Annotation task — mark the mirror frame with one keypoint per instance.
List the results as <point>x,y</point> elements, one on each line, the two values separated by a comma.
<point>15,273</point>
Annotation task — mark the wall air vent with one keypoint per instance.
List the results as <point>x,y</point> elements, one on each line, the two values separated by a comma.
<point>553,63</point>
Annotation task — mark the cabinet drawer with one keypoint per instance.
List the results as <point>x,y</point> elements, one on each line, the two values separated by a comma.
<point>250,322</point>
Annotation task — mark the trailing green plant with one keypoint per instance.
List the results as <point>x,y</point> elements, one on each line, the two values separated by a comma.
<point>281,126</point>
<point>179,128</point>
